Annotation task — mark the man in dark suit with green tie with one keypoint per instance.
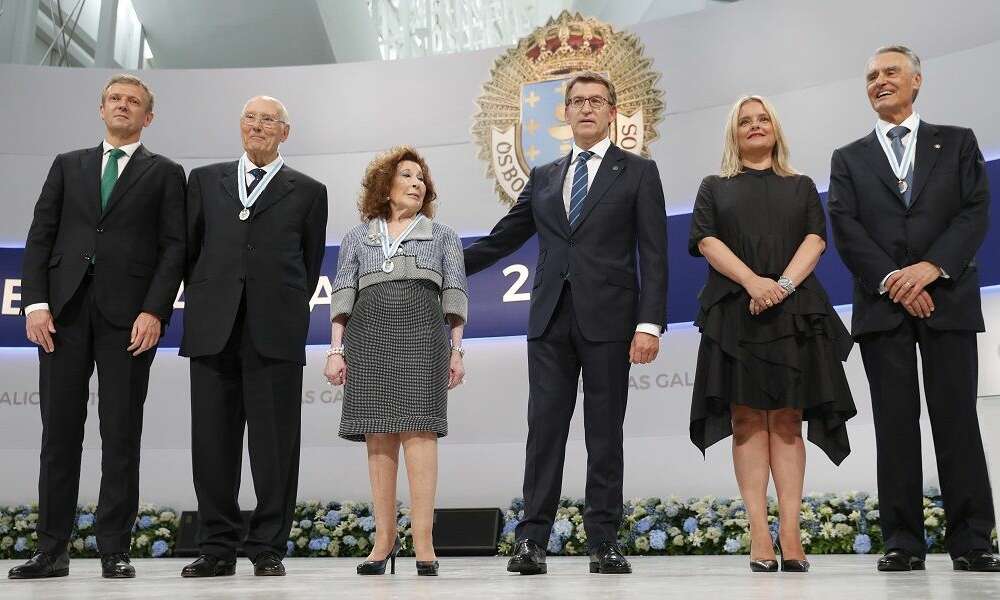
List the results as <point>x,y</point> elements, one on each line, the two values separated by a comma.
<point>102,263</point>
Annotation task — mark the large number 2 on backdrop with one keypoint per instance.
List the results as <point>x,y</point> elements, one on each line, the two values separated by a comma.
<point>514,294</point>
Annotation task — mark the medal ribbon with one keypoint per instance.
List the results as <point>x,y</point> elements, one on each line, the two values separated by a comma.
<point>241,183</point>
<point>902,167</point>
<point>383,228</point>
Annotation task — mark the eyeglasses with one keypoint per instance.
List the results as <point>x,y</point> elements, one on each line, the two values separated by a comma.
<point>596,102</point>
<point>266,121</point>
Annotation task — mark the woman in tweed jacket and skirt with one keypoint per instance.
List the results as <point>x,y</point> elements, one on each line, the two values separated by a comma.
<point>399,297</point>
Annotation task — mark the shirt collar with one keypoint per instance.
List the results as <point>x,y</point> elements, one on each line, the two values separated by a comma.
<point>599,149</point>
<point>911,122</point>
<point>250,166</point>
<point>128,149</point>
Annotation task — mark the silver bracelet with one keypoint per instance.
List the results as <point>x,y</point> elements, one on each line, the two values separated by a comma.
<point>459,349</point>
<point>335,350</point>
<point>786,284</point>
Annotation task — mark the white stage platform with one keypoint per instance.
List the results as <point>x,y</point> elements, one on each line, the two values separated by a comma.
<point>725,577</point>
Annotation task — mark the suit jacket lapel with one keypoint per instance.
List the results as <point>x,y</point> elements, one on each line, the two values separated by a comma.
<point>611,167</point>
<point>556,204</point>
<point>880,164</point>
<point>228,183</point>
<point>928,148</point>
<point>90,167</point>
<point>280,186</point>
<point>137,165</point>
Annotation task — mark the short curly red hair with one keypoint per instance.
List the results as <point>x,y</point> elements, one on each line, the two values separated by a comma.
<point>373,202</point>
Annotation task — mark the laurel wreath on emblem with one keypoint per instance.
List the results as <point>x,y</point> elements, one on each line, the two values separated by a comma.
<point>521,121</point>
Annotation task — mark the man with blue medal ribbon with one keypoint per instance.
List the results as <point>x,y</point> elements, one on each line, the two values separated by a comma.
<point>257,233</point>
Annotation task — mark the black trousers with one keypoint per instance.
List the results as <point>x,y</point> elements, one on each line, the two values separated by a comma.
<point>236,389</point>
<point>554,364</point>
<point>84,338</point>
<point>950,372</point>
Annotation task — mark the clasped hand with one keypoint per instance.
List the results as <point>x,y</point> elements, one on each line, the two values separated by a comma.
<point>764,294</point>
<point>907,287</point>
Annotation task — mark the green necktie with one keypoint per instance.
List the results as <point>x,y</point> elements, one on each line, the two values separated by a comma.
<point>110,176</point>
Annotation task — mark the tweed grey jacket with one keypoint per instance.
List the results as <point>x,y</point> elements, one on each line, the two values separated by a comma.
<point>432,251</point>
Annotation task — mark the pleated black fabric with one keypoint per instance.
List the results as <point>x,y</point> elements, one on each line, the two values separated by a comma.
<point>789,356</point>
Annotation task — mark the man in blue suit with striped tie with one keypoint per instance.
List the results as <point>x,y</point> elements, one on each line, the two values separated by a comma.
<point>598,305</point>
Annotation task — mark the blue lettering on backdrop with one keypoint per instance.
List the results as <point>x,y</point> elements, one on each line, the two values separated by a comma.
<point>500,295</point>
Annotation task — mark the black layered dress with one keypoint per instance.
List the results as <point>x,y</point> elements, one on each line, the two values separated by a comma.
<point>790,355</point>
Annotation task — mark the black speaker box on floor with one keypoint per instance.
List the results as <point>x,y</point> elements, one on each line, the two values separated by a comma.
<point>467,531</point>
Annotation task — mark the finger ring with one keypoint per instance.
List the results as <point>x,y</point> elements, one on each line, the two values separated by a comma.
<point>909,283</point>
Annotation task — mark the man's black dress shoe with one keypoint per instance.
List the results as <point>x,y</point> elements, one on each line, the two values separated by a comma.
<point>528,559</point>
<point>900,560</point>
<point>607,558</point>
<point>209,566</point>
<point>977,560</point>
<point>116,566</point>
<point>268,564</point>
<point>42,565</point>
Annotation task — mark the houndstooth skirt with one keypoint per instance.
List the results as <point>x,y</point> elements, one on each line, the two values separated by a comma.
<point>397,355</point>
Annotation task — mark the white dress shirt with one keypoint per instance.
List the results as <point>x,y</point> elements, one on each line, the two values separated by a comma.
<point>250,167</point>
<point>129,150</point>
<point>882,128</point>
<point>600,149</point>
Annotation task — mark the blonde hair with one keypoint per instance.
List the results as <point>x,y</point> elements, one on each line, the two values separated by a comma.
<point>127,79</point>
<point>732,164</point>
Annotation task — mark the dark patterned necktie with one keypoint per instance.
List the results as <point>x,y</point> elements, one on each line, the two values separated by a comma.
<point>258,174</point>
<point>895,135</point>
<point>578,192</point>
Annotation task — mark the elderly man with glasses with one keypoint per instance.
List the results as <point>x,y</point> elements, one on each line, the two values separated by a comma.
<point>256,232</point>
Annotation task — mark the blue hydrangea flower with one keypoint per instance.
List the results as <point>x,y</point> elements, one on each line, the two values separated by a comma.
<point>555,543</point>
<point>332,518</point>
<point>367,523</point>
<point>305,523</point>
<point>21,544</point>
<point>732,546</point>
<point>90,542</point>
<point>158,549</point>
<point>690,524</point>
<point>319,543</point>
<point>773,527</point>
<point>85,520</point>
<point>350,540</point>
<point>289,547</point>
<point>4,529</point>
<point>509,526</point>
<point>145,522</point>
<point>644,524</point>
<point>404,521</point>
<point>862,544</point>
<point>657,539</point>
<point>929,540</point>
<point>562,528</point>
<point>838,518</point>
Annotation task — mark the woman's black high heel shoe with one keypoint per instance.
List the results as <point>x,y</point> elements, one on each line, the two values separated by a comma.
<point>763,566</point>
<point>427,567</point>
<point>792,565</point>
<point>377,567</point>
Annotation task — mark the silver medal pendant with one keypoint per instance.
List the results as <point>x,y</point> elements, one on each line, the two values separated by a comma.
<point>388,266</point>
<point>244,214</point>
<point>902,186</point>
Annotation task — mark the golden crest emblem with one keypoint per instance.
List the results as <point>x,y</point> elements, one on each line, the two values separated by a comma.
<point>521,121</point>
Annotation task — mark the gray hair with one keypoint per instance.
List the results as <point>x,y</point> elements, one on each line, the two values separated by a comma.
<point>128,79</point>
<point>909,54</point>
<point>282,111</point>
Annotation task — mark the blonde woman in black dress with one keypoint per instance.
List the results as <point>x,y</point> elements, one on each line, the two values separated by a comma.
<point>772,346</point>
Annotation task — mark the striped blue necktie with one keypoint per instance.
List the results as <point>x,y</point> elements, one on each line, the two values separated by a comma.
<point>578,193</point>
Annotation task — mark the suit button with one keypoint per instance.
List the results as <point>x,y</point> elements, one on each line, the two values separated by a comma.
<point>100,230</point>
<point>250,247</point>
<point>563,275</point>
<point>572,242</point>
<point>242,279</point>
<point>86,257</point>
